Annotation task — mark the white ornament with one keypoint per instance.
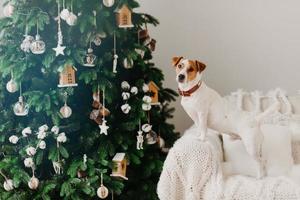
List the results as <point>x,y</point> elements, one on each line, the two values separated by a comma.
<point>64,14</point>
<point>41,135</point>
<point>13,139</point>
<point>115,63</point>
<point>102,192</point>
<point>140,52</point>
<point>33,183</point>
<point>97,40</point>
<point>26,43</point>
<point>90,58</point>
<point>21,108</point>
<point>66,111</point>
<point>12,86</point>
<point>31,151</point>
<point>151,137</point>
<point>28,162</point>
<point>146,106</point>
<point>126,108</point>
<point>146,128</point>
<point>8,185</point>
<point>8,10</point>
<point>26,131</point>
<point>103,127</point>
<point>140,140</point>
<point>134,90</point>
<point>145,88</point>
<point>72,19</point>
<point>125,85</point>
<point>38,46</point>
<point>147,99</point>
<point>125,96</point>
<point>57,167</point>
<point>59,50</point>
<point>43,128</point>
<point>108,3</point>
<point>42,144</point>
<point>61,138</point>
<point>161,142</point>
<point>128,63</point>
<point>55,130</point>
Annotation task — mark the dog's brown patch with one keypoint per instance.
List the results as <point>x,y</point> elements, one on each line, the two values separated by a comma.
<point>176,60</point>
<point>192,70</point>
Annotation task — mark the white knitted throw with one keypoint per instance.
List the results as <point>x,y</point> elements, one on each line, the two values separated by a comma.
<point>192,172</point>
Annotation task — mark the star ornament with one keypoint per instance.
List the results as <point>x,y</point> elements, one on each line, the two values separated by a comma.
<point>103,127</point>
<point>59,50</point>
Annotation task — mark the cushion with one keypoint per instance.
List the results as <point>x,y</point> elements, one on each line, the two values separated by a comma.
<point>276,150</point>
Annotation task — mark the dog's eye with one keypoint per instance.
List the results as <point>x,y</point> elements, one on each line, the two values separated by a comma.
<point>191,70</point>
<point>180,66</point>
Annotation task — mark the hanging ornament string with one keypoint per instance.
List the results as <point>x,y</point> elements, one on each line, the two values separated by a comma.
<point>103,110</point>
<point>64,4</point>
<point>59,49</point>
<point>103,127</point>
<point>115,62</point>
<point>95,18</point>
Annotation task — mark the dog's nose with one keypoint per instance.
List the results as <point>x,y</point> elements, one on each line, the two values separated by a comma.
<point>181,77</point>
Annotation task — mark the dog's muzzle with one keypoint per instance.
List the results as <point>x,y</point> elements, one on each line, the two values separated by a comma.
<point>181,78</point>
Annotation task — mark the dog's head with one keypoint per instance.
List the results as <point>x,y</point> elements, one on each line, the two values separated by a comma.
<point>187,71</point>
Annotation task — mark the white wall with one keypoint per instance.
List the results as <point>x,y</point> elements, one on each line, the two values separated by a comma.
<point>245,43</point>
<point>251,44</point>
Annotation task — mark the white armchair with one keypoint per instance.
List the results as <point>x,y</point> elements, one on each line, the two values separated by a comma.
<point>194,170</point>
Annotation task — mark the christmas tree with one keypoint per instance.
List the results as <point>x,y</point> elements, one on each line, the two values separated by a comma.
<point>82,106</point>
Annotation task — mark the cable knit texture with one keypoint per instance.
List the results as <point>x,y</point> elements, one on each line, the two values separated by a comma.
<point>192,172</point>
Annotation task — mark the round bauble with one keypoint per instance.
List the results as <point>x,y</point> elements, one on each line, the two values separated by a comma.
<point>12,86</point>
<point>8,185</point>
<point>108,3</point>
<point>126,108</point>
<point>33,183</point>
<point>64,14</point>
<point>151,137</point>
<point>161,142</point>
<point>65,111</point>
<point>125,96</point>
<point>125,85</point>
<point>26,43</point>
<point>38,46</point>
<point>128,63</point>
<point>146,88</point>
<point>97,40</point>
<point>102,192</point>
<point>134,90</point>
<point>13,139</point>
<point>146,106</point>
<point>146,128</point>
<point>72,19</point>
<point>21,108</point>
<point>8,10</point>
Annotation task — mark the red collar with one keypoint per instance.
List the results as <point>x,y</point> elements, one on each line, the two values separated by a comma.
<point>189,92</point>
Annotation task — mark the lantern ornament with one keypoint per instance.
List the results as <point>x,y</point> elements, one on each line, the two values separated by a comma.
<point>67,77</point>
<point>90,58</point>
<point>119,166</point>
<point>124,17</point>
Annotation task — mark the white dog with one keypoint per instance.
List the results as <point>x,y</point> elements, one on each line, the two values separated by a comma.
<point>208,110</point>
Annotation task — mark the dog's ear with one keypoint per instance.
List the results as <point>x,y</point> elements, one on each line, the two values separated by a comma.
<point>200,66</point>
<point>176,60</point>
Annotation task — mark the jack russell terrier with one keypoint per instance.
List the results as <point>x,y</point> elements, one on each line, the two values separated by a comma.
<point>209,110</point>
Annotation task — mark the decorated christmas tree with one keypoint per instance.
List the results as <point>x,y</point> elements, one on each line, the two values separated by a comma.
<point>83,110</point>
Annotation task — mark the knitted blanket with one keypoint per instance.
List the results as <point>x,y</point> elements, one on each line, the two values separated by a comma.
<point>192,172</point>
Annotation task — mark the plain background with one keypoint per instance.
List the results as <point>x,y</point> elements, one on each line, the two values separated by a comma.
<point>250,44</point>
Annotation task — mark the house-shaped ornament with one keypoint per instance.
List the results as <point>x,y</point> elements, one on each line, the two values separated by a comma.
<point>154,89</point>
<point>124,17</point>
<point>119,166</point>
<point>67,77</point>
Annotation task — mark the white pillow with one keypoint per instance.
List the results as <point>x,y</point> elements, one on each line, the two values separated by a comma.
<point>277,151</point>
